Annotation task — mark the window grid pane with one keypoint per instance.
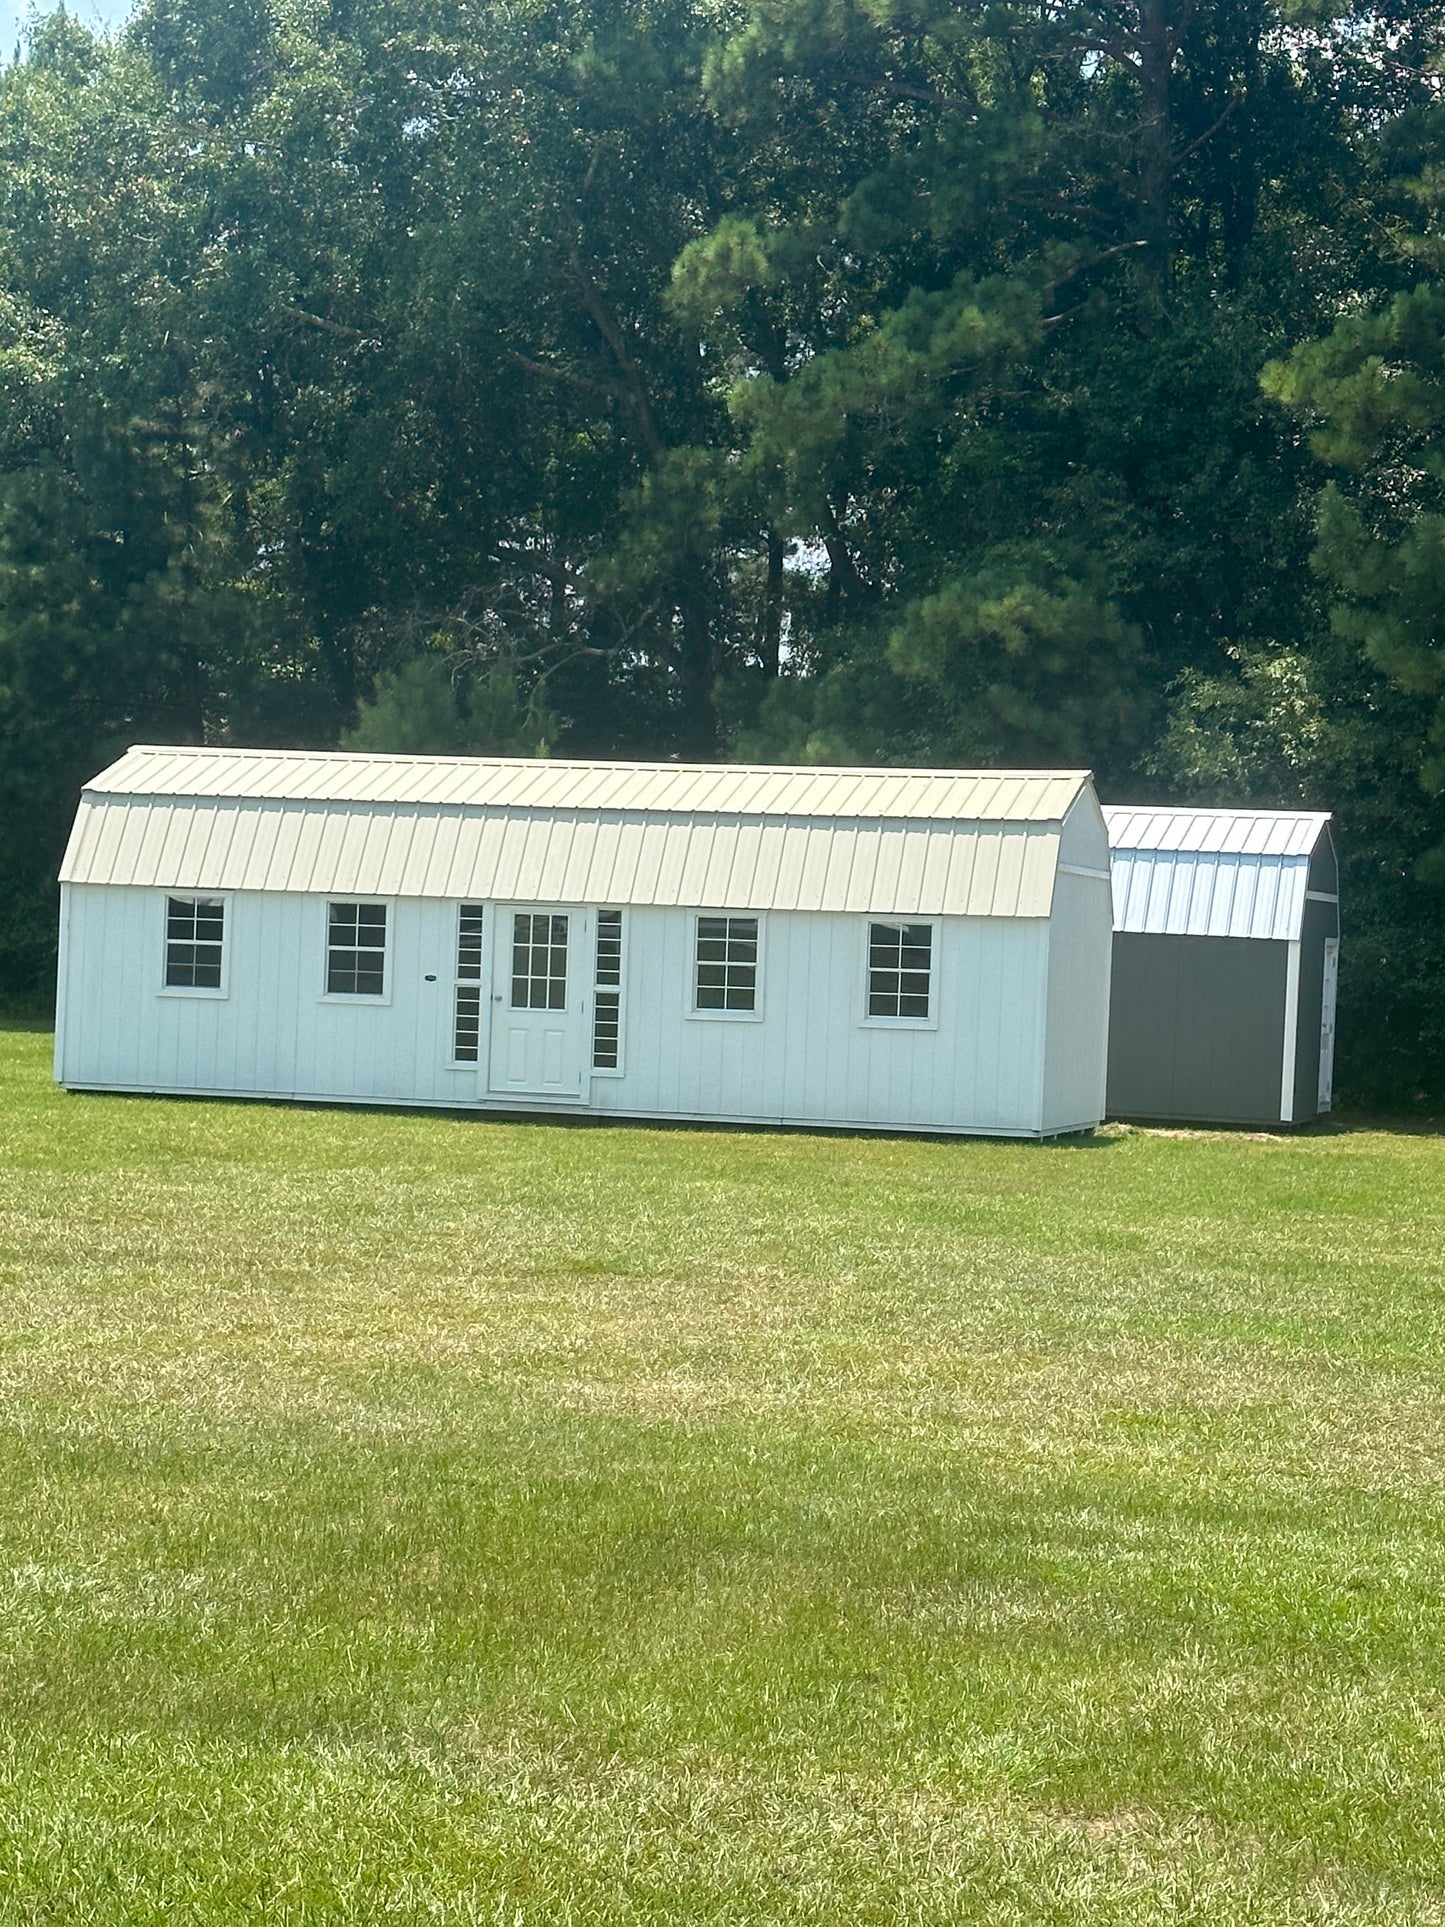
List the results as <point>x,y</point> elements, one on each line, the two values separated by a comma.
<point>356,950</point>
<point>468,1034</point>
<point>195,933</point>
<point>539,961</point>
<point>727,963</point>
<point>467,1012</point>
<point>469,943</point>
<point>607,994</point>
<point>900,969</point>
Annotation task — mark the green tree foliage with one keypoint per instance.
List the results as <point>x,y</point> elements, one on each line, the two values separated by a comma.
<point>422,709</point>
<point>817,379</point>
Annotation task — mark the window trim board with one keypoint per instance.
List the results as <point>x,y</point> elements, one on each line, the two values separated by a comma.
<point>866,1020</point>
<point>366,998</point>
<point>202,993</point>
<point>754,1016</point>
<point>482,983</point>
<point>619,1069</point>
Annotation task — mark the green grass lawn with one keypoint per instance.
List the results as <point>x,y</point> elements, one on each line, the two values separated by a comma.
<point>410,1518</point>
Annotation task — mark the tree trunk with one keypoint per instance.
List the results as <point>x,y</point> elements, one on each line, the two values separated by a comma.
<point>1157,46</point>
<point>1240,198</point>
<point>698,730</point>
<point>771,640</point>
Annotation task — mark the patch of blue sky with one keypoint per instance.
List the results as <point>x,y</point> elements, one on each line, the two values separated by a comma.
<point>14,18</point>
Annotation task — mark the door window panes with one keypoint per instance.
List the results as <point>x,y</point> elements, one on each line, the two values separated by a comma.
<point>539,961</point>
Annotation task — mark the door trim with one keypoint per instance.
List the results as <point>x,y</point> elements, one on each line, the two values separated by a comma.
<point>574,1017</point>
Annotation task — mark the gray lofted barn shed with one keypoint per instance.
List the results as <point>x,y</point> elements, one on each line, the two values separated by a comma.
<point>907,949</point>
<point>1226,960</point>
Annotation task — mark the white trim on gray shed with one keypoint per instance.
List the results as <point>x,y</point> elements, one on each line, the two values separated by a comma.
<point>1010,869</point>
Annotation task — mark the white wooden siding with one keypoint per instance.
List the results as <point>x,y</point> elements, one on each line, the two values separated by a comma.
<point>809,1059</point>
<point>1080,944</point>
<point>1076,1046</point>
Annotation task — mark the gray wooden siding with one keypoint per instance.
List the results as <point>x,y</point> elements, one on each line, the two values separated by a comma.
<point>1197,1028</point>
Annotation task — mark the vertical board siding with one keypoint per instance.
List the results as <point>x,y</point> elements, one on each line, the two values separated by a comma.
<point>1196,1028</point>
<point>1076,1031</point>
<point>809,1056</point>
<point>1076,1036</point>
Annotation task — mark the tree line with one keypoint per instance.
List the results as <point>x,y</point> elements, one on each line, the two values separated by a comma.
<point>912,381</point>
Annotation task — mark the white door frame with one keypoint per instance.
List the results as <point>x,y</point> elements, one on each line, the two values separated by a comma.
<point>541,1052</point>
<point>1330,990</point>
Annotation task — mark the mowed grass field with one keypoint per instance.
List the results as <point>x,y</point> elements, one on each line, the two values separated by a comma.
<point>424,1519</point>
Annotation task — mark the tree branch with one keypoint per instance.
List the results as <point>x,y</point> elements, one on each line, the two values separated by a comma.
<point>909,90</point>
<point>320,321</point>
<point>551,371</point>
<point>607,326</point>
<point>1209,132</point>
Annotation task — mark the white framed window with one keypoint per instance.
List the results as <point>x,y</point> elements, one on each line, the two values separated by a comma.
<point>727,966</point>
<point>900,975</point>
<point>356,944</point>
<point>467,1000</point>
<point>607,995</point>
<point>195,945</point>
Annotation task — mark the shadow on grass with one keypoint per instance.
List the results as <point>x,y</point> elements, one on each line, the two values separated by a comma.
<point>27,1022</point>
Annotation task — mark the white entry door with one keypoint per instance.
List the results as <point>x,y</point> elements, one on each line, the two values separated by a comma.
<point>1327,1022</point>
<point>538,1042</point>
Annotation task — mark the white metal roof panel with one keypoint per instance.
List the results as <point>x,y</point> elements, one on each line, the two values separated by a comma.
<point>894,842</point>
<point>720,789</point>
<point>1212,873</point>
<point>1284,833</point>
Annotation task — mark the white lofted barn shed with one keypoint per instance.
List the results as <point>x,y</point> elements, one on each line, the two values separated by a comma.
<point>899,949</point>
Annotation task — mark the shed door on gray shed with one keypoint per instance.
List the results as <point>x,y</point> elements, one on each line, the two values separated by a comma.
<point>1195,1028</point>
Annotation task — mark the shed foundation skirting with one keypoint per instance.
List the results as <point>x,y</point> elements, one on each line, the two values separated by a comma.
<point>587,1115</point>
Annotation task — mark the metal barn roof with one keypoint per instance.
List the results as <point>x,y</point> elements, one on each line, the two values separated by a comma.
<point>718,836</point>
<point>1212,873</point>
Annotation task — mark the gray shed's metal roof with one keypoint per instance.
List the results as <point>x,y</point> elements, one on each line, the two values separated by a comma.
<point>718,836</point>
<point>1212,873</point>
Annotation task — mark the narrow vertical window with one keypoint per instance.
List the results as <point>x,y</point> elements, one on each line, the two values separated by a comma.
<point>727,963</point>
<point>356,950</point>
<point>467,1021</point>
<point>607,992</point>
<point>195,942</point>
<point>900,970</point>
